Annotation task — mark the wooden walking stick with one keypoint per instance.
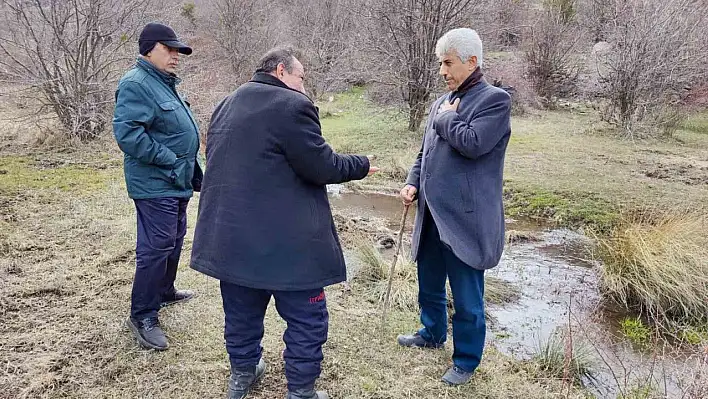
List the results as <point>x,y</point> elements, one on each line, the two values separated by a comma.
<point>393,264</point>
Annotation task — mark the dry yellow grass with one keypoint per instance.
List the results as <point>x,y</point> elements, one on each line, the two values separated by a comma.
<point>658,262</point>
<point>374,275</point>
<point>372,281</point>
<point>66,269</point>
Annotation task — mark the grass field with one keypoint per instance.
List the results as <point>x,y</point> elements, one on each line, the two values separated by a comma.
<point>67,234</point>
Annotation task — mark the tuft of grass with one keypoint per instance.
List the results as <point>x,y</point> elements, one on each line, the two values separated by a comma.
<point>694,335</point>
<point>635,330</point>
<point>658,263</point>
<point>374,275</point>
<point>500,292</point>
<point>552,359</point>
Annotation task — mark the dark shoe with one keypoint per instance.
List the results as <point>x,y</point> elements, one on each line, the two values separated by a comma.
<point>148,333</point>
<point>242,381</point>
<point>415,340</point>
<point>177,297</point>
<point>456,376</point>
<point>307,394</point>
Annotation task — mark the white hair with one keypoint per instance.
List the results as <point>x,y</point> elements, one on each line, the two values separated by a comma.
<point>464,41</point>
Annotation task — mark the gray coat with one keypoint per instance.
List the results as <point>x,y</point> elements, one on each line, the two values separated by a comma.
<point>458,174</point>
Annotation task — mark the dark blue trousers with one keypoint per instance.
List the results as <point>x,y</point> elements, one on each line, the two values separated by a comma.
<point>436,263</point>
<point>162,224</point>
<point>305,313</point>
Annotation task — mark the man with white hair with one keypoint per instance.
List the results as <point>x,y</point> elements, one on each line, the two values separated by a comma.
<point>457,180</point>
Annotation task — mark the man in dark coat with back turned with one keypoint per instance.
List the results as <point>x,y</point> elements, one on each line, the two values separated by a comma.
<point>265,226</point>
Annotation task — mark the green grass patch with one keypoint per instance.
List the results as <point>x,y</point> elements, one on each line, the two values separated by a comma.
<point>695,335</point>
<point>352,124</point>
<point>563,208</point>
<point>697,123</point>
<point>635,330</point>
<point>19,174</point>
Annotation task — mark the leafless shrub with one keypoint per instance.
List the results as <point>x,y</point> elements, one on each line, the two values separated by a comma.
<point>72,52</point>
<point>328,35</point>
<point>594,17</point>
<point>657,48</point>
<point>550,50</point>
<point>508,71</point>
<point>245,31</point>
<point>510,18</point>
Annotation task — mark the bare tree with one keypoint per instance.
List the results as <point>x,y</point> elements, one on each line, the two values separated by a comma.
<point>404,34</point>
<point>595,17</point>
<point>245,30</point>
<point>550,50</point>
<point>70,50</point>
<point>327,34</point>
<point>508,20</point>
<point>657,48</point>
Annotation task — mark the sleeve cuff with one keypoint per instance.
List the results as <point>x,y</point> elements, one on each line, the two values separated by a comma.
<point>169,159</point>
<point>367,166</point>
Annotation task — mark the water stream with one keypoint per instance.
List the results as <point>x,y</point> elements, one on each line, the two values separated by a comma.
<point>558,287</point>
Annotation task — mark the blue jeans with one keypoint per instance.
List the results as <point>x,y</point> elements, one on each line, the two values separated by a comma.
<point>436,263</point>
<point>162,225</point>
<point>305,313</point>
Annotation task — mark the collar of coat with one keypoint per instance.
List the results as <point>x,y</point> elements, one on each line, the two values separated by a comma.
<point>169,79</point>
<point>470,82</point>
<point>268,79</point>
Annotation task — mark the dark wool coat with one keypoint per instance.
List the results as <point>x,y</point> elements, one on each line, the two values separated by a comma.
<point>264,218</point>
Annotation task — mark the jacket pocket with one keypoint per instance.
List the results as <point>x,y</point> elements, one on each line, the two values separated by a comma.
<point>172,117</point>
<point>466,184</point>
<point>174,175</point>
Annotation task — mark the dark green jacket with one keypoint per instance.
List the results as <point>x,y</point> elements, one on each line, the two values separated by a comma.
<point>156,130</point>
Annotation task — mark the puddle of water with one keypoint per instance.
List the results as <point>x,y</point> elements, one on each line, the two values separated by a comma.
<point>549,287</point>
<point>558,286</point>
<point>382,206</point>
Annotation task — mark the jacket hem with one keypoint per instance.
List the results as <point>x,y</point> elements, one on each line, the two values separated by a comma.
<point>189,194</point>
<point>259,285</point>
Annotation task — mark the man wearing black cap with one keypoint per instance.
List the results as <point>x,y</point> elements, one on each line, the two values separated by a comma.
<point>156,130</point>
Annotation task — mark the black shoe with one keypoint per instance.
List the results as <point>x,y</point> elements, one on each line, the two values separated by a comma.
<point>415,340</point>
<point>177,297</point>
<point>307,394</point>
<point>148,333</point>
<point>242,381</point>
<point>456,376</point>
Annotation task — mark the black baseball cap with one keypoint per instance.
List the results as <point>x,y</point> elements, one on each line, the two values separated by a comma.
<point>158,33</point>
